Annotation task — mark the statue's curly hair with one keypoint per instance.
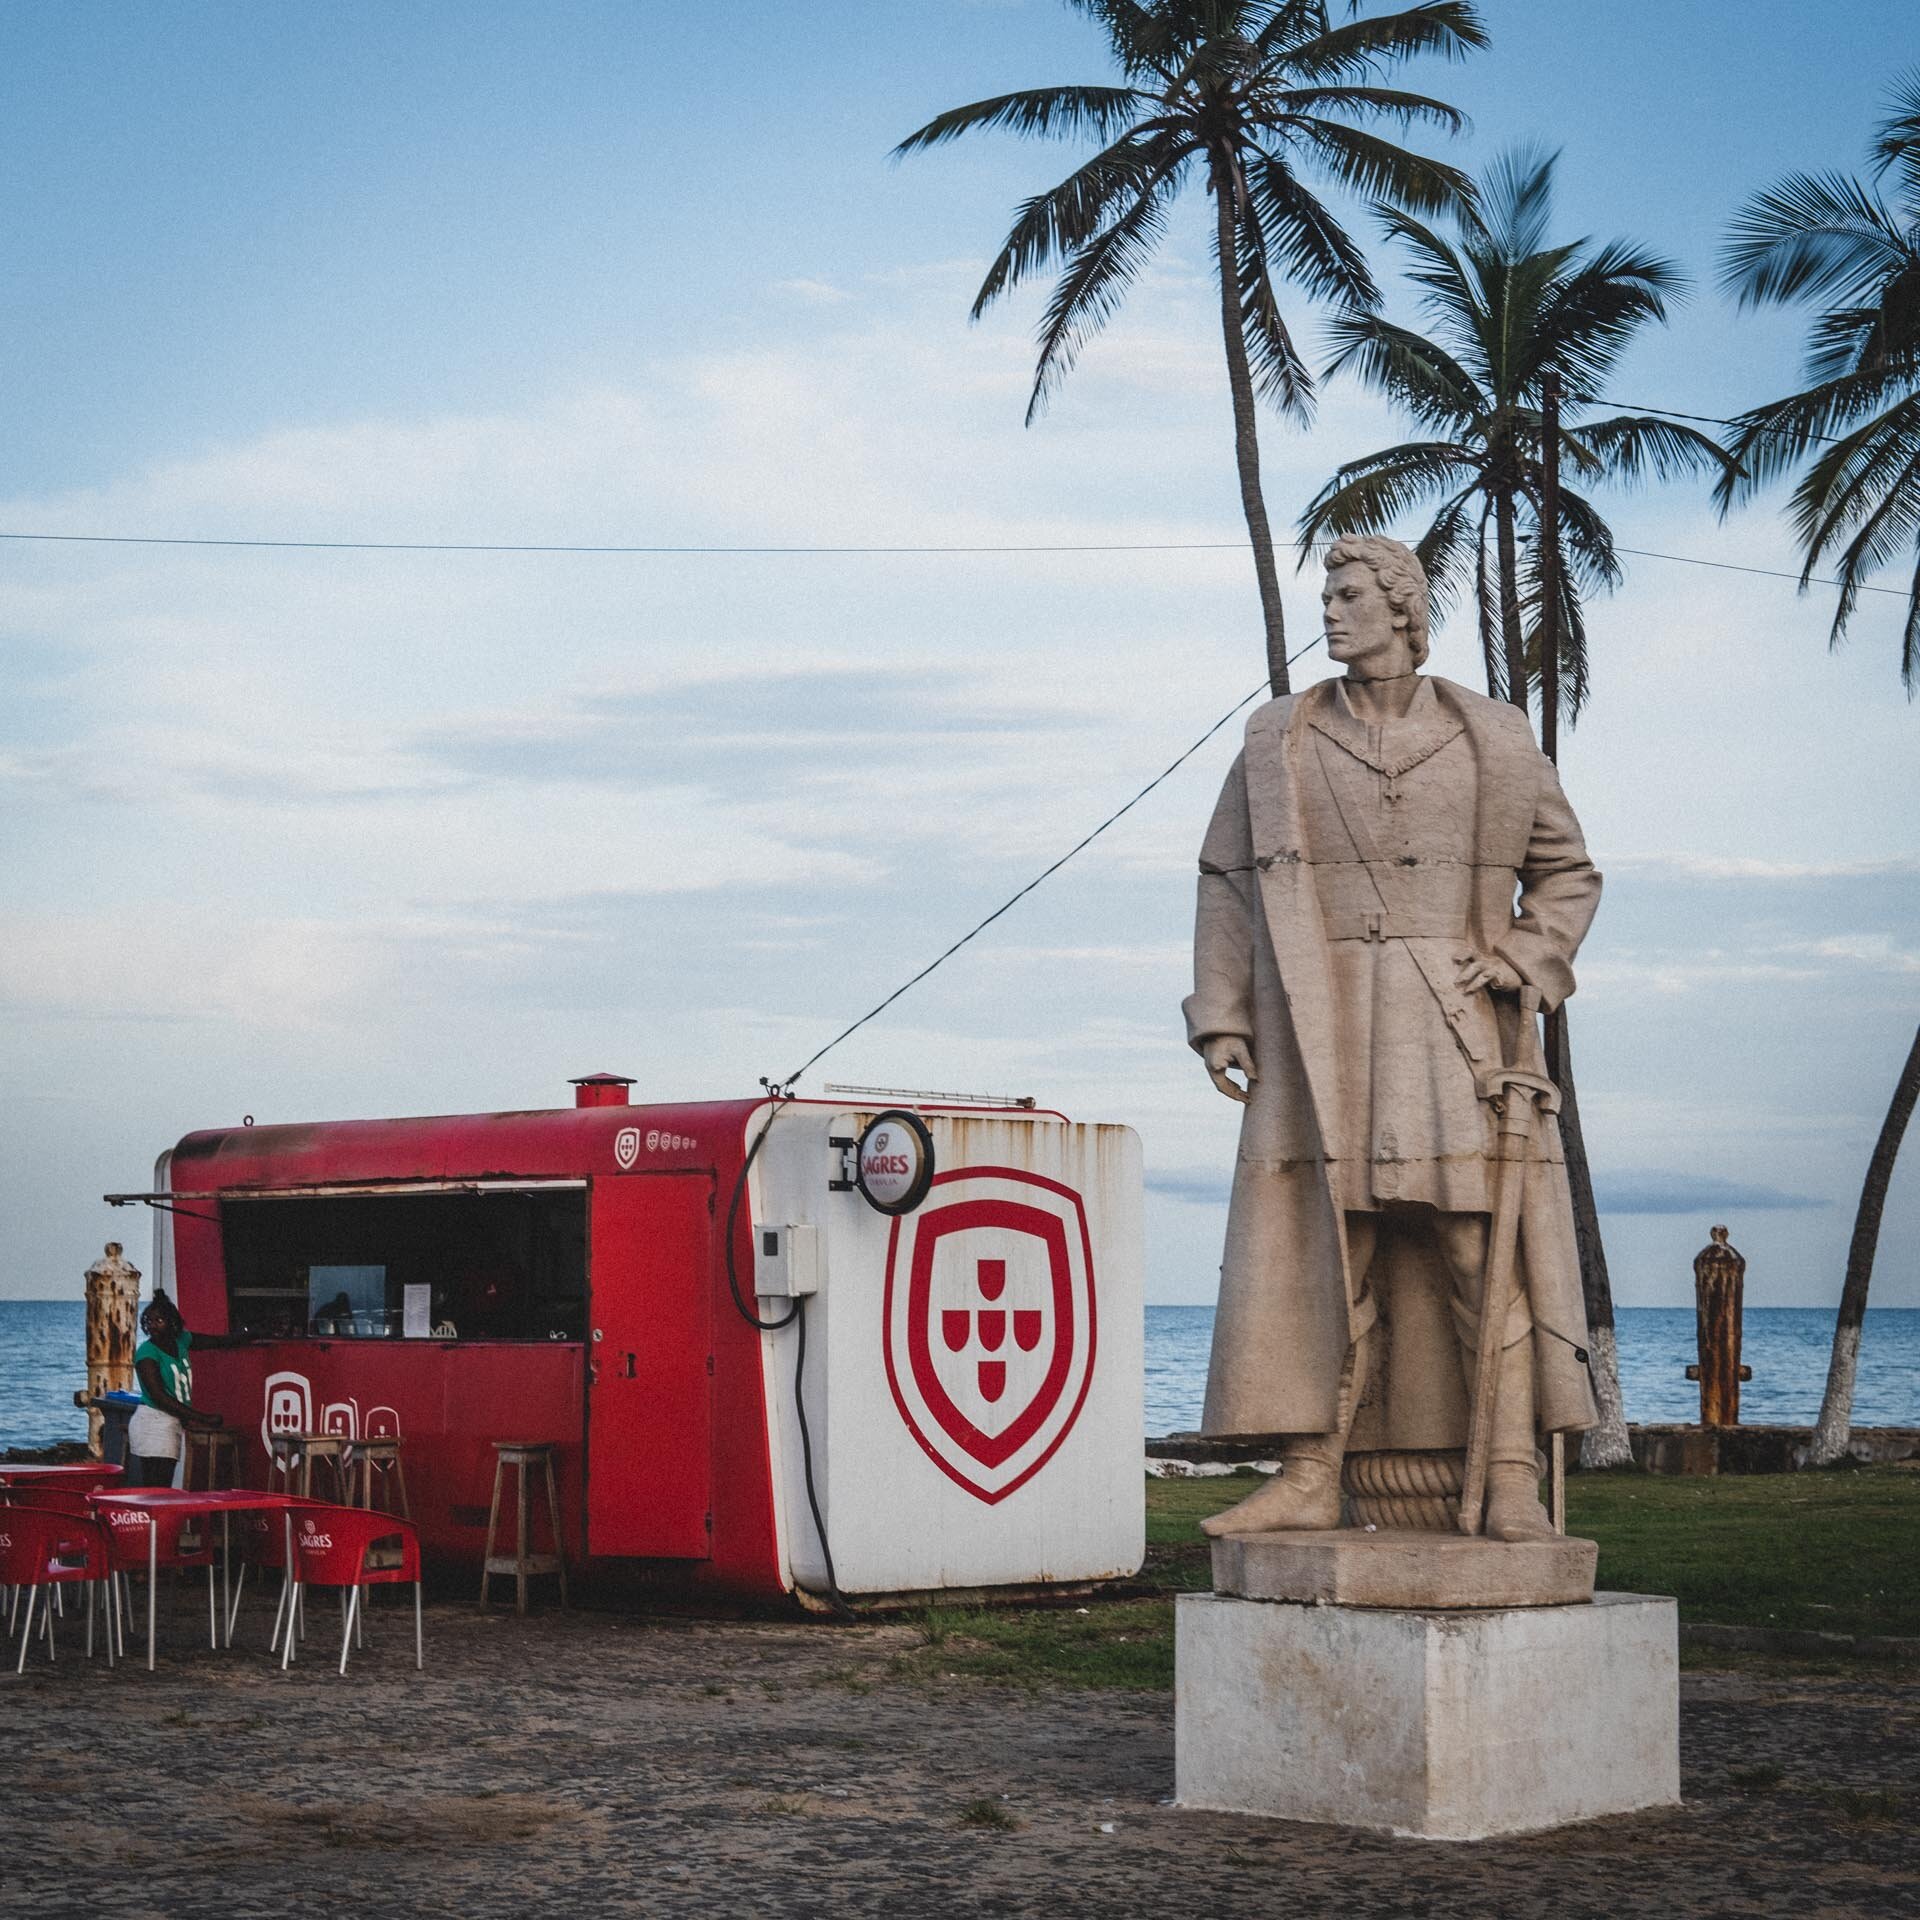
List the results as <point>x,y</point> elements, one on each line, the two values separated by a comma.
<point>1402,579</point>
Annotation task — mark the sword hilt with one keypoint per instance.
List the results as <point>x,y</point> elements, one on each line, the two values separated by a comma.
<point>1498,1085</point>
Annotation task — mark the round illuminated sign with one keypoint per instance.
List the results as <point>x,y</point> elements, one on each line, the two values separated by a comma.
<point>895,1162</point>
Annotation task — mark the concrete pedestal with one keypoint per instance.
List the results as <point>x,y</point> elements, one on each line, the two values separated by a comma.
<point>1440,1725</point>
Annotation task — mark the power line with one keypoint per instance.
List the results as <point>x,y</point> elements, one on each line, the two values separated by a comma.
<point>1765,573</point>
<point>527,546</point>
<point>1713,420</point>
<point>1013,900</point>
<point>1107,546</point>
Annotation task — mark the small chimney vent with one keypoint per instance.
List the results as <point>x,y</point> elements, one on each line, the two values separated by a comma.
<point>600,1090</point>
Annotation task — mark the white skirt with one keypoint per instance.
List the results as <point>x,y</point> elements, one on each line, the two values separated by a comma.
<point>153,1435</point>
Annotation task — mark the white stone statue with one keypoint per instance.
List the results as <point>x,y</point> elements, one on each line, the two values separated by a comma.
<point>1391,863</point>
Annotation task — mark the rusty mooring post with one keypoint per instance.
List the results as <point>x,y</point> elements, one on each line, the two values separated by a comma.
<point>1719,1277</point>
<point>113,1303</point>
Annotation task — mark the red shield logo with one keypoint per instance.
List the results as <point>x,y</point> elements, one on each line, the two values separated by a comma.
<point>990,1324</point>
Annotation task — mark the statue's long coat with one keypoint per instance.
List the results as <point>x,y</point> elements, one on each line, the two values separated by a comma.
<point>1289,1304</point>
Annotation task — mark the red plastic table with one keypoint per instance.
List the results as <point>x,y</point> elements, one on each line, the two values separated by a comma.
<point>209,1501</point>
<point>25,1474</point>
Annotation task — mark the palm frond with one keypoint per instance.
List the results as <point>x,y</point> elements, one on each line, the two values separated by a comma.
<point>1382,103</point>
<point>1586,546</point>
<point>1633,447</point>
<point>1767,440</point>
<point>1406,367</point>
<point>1447,551</point>
<point>1809,236</point>
<point>1883,336</point>
<point>1449,28</point>
<point>1516,202</point>
<point>1142,37</point>
<point>1896,142</point>
<point>1280,375</point>
<point>1052,224</point>
<point>1037,112</point>
<point>1366,164</point>
<point>1571,631</point>
<point>1487,608</point>
<point>1910,639</point>
<point>1369,495</point>
<point>1091,289</point>
<point>1317,250</point>
<point>1850,484</point>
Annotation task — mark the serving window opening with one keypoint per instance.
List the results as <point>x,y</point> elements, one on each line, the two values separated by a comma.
<point>466,1265</point>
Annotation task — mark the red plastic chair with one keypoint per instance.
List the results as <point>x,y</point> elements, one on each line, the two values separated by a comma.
<point>42,1548</point>
<point>262,1544</point>
<point>334,1547</point>
<point>185,1540</point>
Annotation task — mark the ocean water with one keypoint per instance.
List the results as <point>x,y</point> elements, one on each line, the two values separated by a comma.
<point>43,1352</point>
<point>1787,1348</point>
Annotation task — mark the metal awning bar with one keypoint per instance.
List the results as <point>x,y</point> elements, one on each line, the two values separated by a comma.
<point>377,1190</point>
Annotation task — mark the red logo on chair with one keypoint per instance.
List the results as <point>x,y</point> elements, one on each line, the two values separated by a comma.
<point>989,1320</point>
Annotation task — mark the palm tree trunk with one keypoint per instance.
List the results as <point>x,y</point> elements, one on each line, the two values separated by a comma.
<point>1516,650</point>
<point>1604,1445</point>
<point>1246,442</point>
<point>1483,606</point>
<point>1836,1405</point>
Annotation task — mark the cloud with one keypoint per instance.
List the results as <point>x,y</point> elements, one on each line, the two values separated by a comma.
<point>1662,1192</point>
<point>1199,1189</point>
<point>1722,867</point>
<point>819,293</point>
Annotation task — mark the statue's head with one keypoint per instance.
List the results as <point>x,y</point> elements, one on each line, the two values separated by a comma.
<point>1375,606</point>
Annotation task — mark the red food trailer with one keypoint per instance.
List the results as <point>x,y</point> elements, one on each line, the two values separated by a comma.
<point>923,1320</point>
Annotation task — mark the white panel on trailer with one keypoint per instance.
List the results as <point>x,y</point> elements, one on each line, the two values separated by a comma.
<point>975,1367</point>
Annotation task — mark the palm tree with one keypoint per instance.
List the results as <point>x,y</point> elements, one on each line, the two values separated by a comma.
<point>1835,1427</point>
<point>1830,238</point>
<point>1257,98</point>
<point>1506,308</point>
<point>1509,310</point>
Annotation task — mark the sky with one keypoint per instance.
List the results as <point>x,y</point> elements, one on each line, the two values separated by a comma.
<point>309,835</point>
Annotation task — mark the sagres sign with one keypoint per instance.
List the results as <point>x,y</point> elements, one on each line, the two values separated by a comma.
<point>990,1324</point>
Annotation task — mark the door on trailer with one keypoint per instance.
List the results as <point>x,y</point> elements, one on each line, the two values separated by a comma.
<point>650,1404</point>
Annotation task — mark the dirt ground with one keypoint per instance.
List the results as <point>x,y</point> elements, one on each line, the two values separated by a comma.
<point>594,1763</point>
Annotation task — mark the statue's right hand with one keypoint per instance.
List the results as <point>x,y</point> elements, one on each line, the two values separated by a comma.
<point>1227,1053</point>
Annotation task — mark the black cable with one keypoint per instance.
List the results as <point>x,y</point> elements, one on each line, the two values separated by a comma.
<point>837,1599</point>
<point>795,1317</point>
<point>1046,874</point>
<point>746,1313</point>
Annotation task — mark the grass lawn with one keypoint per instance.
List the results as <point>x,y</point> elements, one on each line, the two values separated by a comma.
<point>1830,1551</point>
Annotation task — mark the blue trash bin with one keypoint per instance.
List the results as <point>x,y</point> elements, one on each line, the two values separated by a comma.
<point>116,1412</point>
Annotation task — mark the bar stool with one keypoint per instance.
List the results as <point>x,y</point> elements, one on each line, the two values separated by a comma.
<point>525,1456</point>
<point>378,1459</point>
<point>215,1445</point>
<point>293,1455</point>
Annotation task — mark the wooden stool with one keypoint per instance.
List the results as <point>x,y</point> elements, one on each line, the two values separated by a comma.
<point>215,1445</point>
<point>380,1456</point>
<point>293,1455</point>
<point>526,1456</point>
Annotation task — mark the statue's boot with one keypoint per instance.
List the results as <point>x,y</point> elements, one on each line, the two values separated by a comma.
<point>1304,1496</point>
<point>1513,1509</point>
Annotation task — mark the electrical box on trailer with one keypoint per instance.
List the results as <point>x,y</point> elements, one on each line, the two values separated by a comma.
<point>786,1261</point>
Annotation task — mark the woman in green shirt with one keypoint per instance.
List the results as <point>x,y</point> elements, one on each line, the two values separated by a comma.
<point>163,1364</point>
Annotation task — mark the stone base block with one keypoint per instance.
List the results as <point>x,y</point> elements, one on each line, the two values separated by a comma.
<point>1438,1725</point>
<point>1343,1567</point>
